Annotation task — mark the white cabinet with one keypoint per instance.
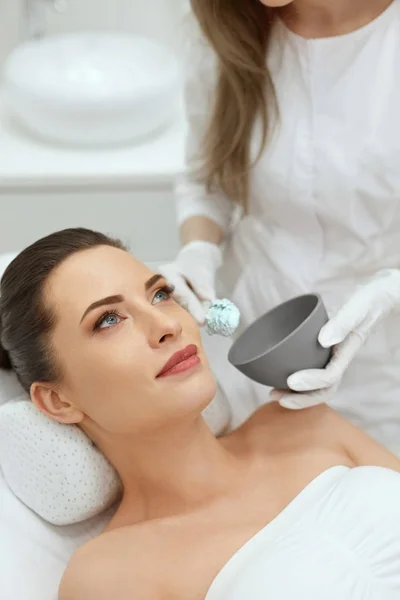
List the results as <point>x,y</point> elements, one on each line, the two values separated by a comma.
<point>143,218</point>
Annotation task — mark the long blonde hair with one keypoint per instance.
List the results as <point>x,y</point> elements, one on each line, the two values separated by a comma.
<point>238,31</point>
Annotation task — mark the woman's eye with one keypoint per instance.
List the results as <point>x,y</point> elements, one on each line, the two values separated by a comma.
<point>163,294</point>
<point>107,320</point>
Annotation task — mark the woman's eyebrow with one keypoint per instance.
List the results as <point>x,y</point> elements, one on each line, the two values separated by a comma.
<point>152,281</point>
<point>118,298</point>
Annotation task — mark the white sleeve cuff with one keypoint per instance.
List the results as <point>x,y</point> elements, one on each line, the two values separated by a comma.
<point>193,200</point>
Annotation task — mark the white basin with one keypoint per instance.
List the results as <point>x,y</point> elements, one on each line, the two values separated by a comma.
<point>92,88</point>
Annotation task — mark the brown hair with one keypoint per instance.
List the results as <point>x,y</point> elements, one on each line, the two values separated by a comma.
<point>239,32</point>
<point>25,320</point>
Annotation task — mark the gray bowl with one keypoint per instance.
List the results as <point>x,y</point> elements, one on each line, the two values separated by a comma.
<point>282,342</point>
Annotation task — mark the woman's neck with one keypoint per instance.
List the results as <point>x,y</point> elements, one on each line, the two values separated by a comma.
<point>171,470</point>
<point>324,18</point>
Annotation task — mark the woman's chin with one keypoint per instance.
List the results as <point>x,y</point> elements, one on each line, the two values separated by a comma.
<point>198,390</point>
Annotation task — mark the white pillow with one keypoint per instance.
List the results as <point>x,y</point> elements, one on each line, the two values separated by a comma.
<point>34,554</point>
<point>54,469</point>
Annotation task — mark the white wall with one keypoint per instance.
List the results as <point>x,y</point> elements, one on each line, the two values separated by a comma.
<point>160,19</point>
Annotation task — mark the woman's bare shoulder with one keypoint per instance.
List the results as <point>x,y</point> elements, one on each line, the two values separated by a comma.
<point>318,428</point>
<point>361,448</point>
<point>279,426</point>
<point>276,432</point>
<point>115,561</point>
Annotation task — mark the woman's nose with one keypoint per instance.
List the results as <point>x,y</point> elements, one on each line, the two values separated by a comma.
<point>162,327</point>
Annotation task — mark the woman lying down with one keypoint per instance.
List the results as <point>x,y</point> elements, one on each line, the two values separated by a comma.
<point>291,504</point>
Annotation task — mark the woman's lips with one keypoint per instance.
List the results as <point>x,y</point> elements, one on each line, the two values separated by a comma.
<point>181,361</point>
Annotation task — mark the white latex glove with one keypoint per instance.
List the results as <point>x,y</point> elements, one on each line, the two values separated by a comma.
<point>193,276</point>
<point>347,332</point>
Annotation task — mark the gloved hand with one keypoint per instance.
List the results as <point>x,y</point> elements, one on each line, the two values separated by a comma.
<point>193,276</point>
<point>347,332</point>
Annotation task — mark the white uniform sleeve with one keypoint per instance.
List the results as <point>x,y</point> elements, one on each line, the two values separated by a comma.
<point>192,198</point>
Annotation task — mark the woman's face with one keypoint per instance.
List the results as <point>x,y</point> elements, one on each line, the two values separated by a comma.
<point>116,329</point>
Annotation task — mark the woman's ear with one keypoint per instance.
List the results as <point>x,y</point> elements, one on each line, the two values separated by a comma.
<point>54,405</point>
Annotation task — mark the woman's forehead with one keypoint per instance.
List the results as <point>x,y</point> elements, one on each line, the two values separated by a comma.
<point>94,273</point>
